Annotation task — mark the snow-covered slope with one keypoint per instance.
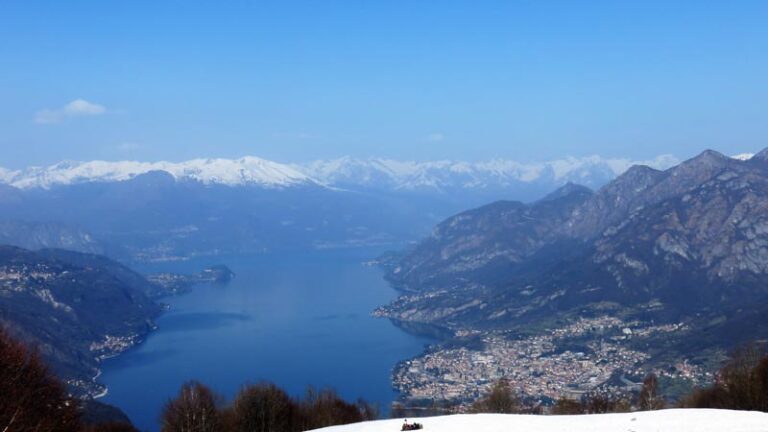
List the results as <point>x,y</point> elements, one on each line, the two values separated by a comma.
<point>743,156</point>
<point>247,170</point>
<point>673,420</point>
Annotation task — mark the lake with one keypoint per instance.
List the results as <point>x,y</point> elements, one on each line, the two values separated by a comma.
<point>296,320</point>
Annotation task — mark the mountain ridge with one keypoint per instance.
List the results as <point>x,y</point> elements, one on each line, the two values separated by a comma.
<point>75,308</point>
<point>675,260</point>
<point>702,209</point>
<point>380,173</point>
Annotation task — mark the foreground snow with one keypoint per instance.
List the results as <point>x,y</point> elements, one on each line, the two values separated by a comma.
<point>672,420</point>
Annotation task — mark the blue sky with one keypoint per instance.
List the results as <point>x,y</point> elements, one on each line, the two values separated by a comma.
<point>294,81</point>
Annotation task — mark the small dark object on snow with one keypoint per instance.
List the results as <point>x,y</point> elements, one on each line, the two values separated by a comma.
<point>411,426</point>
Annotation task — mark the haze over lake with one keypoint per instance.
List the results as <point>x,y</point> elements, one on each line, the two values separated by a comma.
<point>294,319</point>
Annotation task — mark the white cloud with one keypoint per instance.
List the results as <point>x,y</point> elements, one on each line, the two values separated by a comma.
<point>76,108</point>
<point>436,137</point>
<point>83,107</point>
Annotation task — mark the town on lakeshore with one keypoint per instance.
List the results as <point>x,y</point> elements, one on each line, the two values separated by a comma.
<point>541,367</point>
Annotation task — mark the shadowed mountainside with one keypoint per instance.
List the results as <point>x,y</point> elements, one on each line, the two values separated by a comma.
<point>688,244</point>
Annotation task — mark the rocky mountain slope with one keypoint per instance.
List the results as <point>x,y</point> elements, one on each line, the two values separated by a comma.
<point>504,232</point>
<point>685,245</point>
<point>75,308</point>
<point>43,235</point>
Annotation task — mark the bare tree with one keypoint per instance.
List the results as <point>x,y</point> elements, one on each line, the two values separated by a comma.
<point>367,410</point>
<point>502,399</point>
<point>738,377</point>
<point>649,399</point>
<point>31,398</point>
<point>326,408</point>
<point>565,406</point>
<point>761,380</point>
<point>599,403</point>
<point>264,408</point>
<point>193,410</point>
<point>742,383</point>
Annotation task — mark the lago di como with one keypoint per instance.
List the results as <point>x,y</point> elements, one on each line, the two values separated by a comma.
<point>295,319</point>
<point>354,216</point>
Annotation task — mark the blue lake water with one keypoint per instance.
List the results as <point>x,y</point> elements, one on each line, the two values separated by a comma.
<point>296,320</point>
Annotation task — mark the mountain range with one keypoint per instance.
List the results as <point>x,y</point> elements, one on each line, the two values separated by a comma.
<point>686,245</point>
<point>167,211</point>
<point>372,173</point>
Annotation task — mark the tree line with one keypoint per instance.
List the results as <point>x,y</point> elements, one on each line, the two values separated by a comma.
<point>260,407</point>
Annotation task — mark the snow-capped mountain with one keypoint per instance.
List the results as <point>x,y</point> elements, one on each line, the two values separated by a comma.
<point>244,171</point>
<point>374,173</point>
<point>166,209</point>
<point>743,156</point>
<point>447,175</point>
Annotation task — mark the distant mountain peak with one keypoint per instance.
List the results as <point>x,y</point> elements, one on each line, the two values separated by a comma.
<point>636,178</point>
<point>710,157</point>
<point>376,173</point>
<point>743,156</point>
<point>568,189</point>
<point>635,170</point>
<point>762,155</point>
<point>244,171</point>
